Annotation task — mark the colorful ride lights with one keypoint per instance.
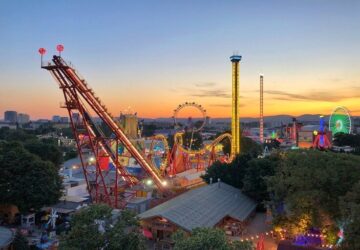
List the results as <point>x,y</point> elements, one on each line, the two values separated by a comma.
<point>42,51</point>
<point>149,182</point>
<point>59,48</point>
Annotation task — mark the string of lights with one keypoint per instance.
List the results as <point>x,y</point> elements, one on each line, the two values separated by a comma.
<point>281,232</point>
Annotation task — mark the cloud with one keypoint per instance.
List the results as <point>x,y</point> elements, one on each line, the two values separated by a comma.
<point>286,95</point>
<point>206,89</point>
<point>211,93</point>
<point>205,84</point>
<point>220,105</point>
<point>225,105</point>
<point>322,96</point>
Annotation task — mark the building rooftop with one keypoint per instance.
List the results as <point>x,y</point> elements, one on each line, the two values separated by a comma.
<point>204,207</point>
<point>6,237</point>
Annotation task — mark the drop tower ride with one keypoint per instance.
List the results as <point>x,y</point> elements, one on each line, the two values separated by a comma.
<point>235,122</point>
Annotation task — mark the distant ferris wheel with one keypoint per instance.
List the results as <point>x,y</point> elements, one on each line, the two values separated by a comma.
<point>340,121</point>
<point>193,105</point>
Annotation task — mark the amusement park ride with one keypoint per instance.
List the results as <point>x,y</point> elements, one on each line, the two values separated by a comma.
<point>105,172</point>
<point>321,140</point>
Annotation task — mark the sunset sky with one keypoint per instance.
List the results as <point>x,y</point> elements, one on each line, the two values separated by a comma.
<point>153,55</point>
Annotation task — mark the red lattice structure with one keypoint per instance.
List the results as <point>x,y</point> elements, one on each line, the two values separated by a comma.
<point>96,150</point>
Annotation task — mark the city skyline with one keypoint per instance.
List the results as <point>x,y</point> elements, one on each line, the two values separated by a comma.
<point>152,57</point>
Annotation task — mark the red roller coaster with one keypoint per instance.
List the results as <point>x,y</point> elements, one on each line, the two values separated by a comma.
<point>103,163</point>
<point>104,185</point>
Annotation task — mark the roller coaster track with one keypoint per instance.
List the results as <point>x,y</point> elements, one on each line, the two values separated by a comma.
<point>76,88</point>
<point>178,139</point>
<point>164,163</point>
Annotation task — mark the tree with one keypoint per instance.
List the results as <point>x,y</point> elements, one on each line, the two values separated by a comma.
<point>15,135</point>
<point>350,208</point>
<point>238,245</point>
<point>47,150</point>
<point>231,173</point>
<point>25,180</point>
<point>254,181</point>
<point>45,128</point>
<point>86,232</point>
<point>247,146</point>
<point>207,238</point>
<point>310,183</point>
<point>246,173</point>
<point>66,132</point>
<point>342,139</point>
<point>20,242</point>
<point>352,140</point>
<point>200,239</point>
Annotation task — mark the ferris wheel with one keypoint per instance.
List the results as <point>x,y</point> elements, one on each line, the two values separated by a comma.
<point>184,105</point>
<point>340,121</point>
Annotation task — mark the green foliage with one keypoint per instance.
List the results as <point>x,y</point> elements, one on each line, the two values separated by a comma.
<point>310,184</point>
<point>256,173</point>
<point>246,173</point>
<point>238,245</point>
<point>231,173</point>
<point>200,239</point>
<point>15,135</point>
<point>47,150</point>
<point>20,242</point>
<point>70,153</point>
<point>350,208</point>
<point>66,132</point>
<point>84,234</point>
<point>25,180</point>
<point>352,140</point>
<point>207,238</point>
<point>247,146</point>
<point>44,129</point>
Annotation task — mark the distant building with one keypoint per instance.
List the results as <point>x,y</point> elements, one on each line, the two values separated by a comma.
<point>10,116</point>
<point>306,136</point>
<point>64,119</point>
<point>129,123</point>
<point>8,125</point>
<point>23,118</point>
<point>56,118</point>
<point>60,119</point>
<point>42,121</point>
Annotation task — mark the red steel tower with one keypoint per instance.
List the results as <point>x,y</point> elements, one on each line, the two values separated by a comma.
<point>261,109</point>
<point>98,151</point>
